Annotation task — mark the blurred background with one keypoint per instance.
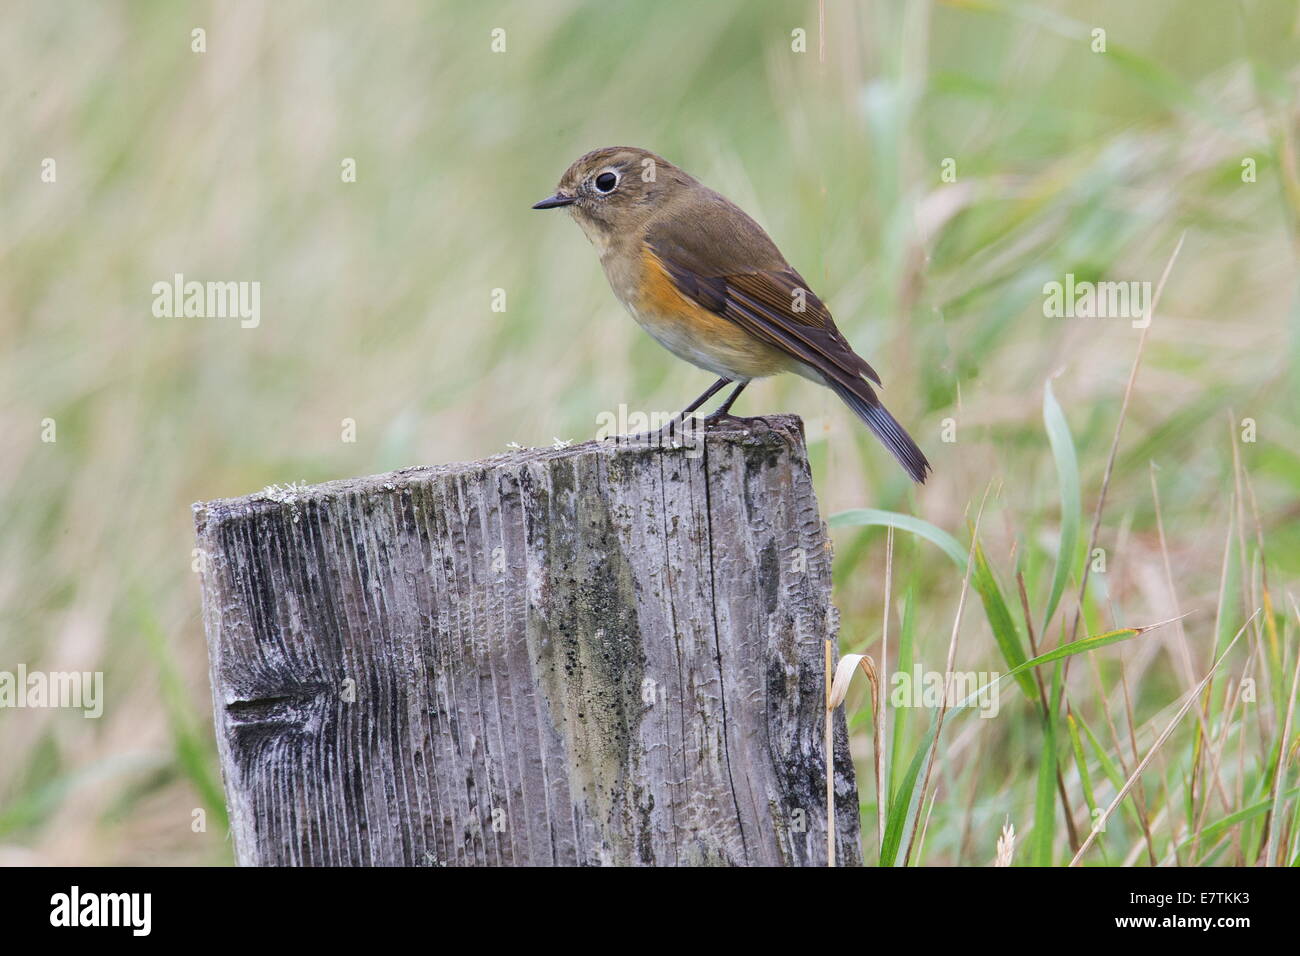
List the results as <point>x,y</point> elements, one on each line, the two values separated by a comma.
<point>376,306</point>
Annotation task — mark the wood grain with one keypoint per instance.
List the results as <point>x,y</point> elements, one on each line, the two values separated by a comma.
<point>609,653</point>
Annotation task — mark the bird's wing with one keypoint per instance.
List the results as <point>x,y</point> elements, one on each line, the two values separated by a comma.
<point>726,263</point>
<point>718,257</point>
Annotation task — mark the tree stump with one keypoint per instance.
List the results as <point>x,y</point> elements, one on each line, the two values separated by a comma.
<point>611,653</point>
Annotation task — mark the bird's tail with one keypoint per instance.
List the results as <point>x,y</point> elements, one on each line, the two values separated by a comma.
<point>862,399</point>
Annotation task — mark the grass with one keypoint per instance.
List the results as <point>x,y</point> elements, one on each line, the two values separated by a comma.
<point>376,300</point>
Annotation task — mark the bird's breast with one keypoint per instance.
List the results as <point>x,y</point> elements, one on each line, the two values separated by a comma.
<point>691,332</point>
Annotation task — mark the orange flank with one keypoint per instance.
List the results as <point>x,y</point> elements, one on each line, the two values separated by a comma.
<point>695,334</point>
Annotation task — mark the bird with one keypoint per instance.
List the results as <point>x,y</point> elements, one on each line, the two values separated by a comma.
<point>708,283</point>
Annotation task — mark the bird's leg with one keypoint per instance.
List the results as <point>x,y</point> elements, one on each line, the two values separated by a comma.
<point>679,420</point>
<point>709,393</point>
<point>725,408</point>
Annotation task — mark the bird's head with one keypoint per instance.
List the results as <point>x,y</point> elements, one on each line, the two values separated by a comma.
<point>613,190</point>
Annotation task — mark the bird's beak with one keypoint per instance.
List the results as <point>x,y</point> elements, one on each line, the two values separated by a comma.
<point>552,202</point>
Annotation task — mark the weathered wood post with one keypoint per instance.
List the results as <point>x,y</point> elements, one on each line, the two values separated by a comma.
<point>607,653</point>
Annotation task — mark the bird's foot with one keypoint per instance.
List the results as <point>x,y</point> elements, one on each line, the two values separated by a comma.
<point>719,417</point>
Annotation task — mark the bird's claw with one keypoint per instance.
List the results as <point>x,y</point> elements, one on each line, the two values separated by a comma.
<point>718,417</point>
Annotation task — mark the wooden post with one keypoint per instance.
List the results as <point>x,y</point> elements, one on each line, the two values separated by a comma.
<point>610,653</point>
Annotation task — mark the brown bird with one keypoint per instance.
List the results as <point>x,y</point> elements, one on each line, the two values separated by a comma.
<point>709,285</point>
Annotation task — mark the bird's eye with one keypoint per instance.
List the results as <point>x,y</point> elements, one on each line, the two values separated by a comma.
<point>606,182</point>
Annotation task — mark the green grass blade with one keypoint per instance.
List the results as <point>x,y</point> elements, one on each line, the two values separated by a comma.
<point>906,802</point>
<point>1045,796</point>
<point>1085,778</point>
<point>1067,474</point>
<point>194,755</point>
<point>899,715</point>
<point>1000,620</point>
<point>1114,775</point>
<point>1081,646</point>
<point>1213,830</point>
<point>902,522</point>
<point>1078,647</point>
